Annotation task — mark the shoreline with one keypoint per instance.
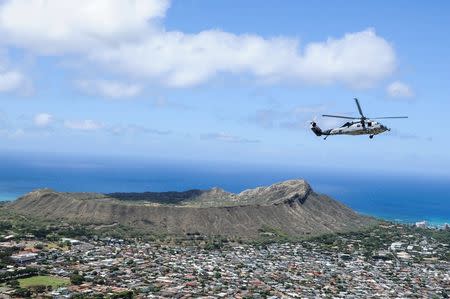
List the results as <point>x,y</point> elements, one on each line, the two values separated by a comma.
<point>430,221</point>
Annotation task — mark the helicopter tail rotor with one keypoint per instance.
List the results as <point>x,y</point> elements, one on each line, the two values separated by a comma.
<point>315,128</point>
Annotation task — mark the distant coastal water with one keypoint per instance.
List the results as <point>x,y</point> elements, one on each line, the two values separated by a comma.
<point>399,198</point>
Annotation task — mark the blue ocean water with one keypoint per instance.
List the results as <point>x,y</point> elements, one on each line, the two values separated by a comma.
<point>400,198</point>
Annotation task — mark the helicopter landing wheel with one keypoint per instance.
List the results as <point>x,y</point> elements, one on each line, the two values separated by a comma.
<point>370,136</point>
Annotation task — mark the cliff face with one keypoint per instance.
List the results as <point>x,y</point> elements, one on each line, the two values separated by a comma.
<point>290,207</point>
<point>277,193</point>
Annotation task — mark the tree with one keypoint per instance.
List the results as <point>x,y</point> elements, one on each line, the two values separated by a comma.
<point>124,294</point>
<point>76,279</point>
<point>22,293</point>
<point>39,246</point>
<point>13,283</point>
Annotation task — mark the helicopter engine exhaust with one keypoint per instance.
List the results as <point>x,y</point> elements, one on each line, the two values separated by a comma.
<point>316,129</point>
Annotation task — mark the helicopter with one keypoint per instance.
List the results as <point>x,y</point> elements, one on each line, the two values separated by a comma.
<point>357,126</point>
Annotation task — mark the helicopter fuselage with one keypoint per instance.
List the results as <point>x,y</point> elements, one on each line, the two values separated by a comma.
<point>352,128</point>
<point>356,128</point>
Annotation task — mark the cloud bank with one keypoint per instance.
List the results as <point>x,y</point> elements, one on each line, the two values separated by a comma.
<point>83,125</point>
<point>109,89</point>
<point>127,38</point>
<point>224,137</point>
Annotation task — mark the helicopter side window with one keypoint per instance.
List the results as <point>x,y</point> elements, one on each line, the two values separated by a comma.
<point>369,123</point>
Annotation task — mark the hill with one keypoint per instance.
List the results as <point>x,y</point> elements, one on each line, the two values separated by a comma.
<point>290,208</point>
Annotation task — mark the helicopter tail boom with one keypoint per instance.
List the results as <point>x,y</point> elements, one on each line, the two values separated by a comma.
<point>315,128</point>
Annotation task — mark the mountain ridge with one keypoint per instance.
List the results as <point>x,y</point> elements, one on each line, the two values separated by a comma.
<point>291,207</point>
<point>218,196</point>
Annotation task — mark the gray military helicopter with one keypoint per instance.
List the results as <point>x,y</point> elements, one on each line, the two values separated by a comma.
<point>358,126</point>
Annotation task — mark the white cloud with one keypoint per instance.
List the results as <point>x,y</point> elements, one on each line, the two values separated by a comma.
<point>227,138</point>
<point>42,119</point>
<point>398,89</point>
<point>11,80</point>
<point>179,60</point>
<point>359,59</point>
<point>132,129</point>
<point>57,26</point>
<point>84,125</point>
<point>109,89</point>
<point>123,36</point>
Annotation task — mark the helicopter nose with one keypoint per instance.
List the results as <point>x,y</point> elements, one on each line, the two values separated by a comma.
<point>385,128</point>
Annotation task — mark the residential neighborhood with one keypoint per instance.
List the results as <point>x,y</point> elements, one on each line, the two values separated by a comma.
<point>335,266</point>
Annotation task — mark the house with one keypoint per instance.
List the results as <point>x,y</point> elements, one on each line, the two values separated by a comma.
<point>24,257</point>
<point>396,246</point>
<point>71,241</point>
<point>421,224</point>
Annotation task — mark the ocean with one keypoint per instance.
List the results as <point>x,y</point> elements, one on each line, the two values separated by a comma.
<point>401,198</point>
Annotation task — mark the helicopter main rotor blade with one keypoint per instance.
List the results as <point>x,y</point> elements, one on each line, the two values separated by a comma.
<point>359,108</point>
<point>386,117</point>
<point>339,116</point>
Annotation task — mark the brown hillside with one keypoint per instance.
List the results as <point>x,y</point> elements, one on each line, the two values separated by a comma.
<point>289,207</point>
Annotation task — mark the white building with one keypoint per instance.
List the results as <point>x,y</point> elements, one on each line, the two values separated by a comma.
<point>71,241</point>
<point>24,257</point>
<point>396,246</point>
<point>403,255</point>
<point>422,224</point>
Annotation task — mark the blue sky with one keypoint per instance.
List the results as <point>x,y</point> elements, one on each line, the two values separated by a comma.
<point>226,80</point>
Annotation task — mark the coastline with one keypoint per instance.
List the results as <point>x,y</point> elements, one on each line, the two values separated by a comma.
<point>431,222</point>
